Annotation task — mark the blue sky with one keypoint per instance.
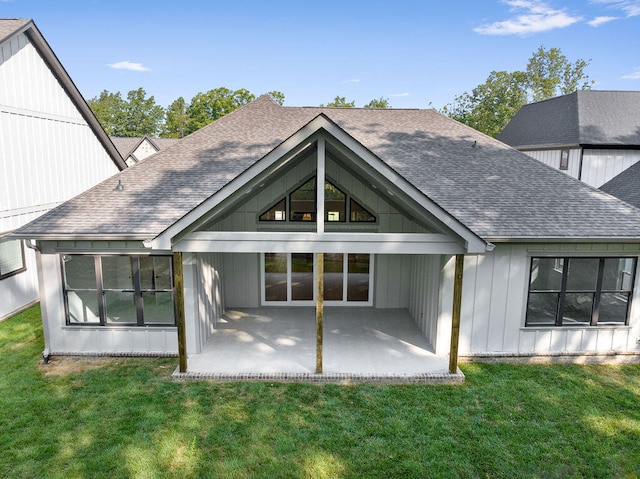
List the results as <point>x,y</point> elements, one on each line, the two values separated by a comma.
<point>415,53</point>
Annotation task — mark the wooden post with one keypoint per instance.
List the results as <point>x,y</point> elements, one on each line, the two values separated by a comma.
<point>319,309</point>
<point>455,315</point>
<point>178,284</point>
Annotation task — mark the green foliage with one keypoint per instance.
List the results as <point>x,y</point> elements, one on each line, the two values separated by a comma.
<point>109,110</point>
<point>380,103</point>
<point>176,120</point>
<point>135,116</point>
<point>214,104</point>
<point>113,418</point>
<point>340,102</point>
<point>491,105</point>
<point>277,96</point>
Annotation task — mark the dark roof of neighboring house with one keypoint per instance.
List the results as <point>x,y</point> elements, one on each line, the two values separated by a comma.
<point>492,189</point>
<point>9,28</point>
<point>127,145</point>
<point>585,117</point>
<point>625,186</point>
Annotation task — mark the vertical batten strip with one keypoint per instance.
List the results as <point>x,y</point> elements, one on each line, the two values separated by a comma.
<point>455,316</point>
<point>320,179</point>
<point>178,284</point>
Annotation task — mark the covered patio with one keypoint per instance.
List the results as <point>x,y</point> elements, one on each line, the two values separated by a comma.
<point>279,343</point>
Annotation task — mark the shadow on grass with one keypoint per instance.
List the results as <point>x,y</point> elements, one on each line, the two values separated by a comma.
<point>127,418</point>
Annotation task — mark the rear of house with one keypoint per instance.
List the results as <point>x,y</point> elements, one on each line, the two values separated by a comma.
<point>417,239</point>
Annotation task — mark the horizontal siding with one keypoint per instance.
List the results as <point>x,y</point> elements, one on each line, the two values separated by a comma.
<point>599,166</point>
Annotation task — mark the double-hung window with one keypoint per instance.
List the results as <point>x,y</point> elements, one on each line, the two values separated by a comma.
<point>118,290</point>
<point>580,291</point>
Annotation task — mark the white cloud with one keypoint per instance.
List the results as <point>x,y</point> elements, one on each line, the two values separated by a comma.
<point>633,76</point>
<point>134,67</point>
<point>536,16</point>
<point>399,94</point>
<point>631,8</point>
<point>596,22</point>
<point>355,80</point>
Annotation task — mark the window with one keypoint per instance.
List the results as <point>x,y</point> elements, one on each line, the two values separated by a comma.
<point>118,290</point>
<point>580,291</point>
<point>564,159</point>
<point>11,258</point>
<point>289,278</point>
<point>301,205</point>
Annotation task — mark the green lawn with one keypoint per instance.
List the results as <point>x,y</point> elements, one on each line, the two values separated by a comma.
<point>127,418</point>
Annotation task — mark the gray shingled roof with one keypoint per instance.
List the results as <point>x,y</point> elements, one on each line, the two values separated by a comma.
<point>625,186</point>
<point>496,191</point>
<point>8,26</point>
<point>126,145</point>
<point>586,117</point>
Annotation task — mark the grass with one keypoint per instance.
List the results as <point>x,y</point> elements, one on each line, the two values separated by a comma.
<point>126,418</point>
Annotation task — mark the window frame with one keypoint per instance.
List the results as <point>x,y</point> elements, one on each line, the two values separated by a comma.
<point>23,268</point>
<point>597,292</point>
<point>564,160</point>
<point>288,211</point>
<point>100,291</point>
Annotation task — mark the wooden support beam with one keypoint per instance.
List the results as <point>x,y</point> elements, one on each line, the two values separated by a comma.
<point>319,309</point>
<point>455,315</point>
<point>178,284</point>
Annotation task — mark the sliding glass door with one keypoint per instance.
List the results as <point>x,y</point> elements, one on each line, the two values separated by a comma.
<point>289,279</point>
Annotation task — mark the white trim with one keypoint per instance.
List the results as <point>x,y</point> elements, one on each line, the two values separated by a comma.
<point>307,242</point>
<point>287,151</point>
<point>345,281</point>
<point>320,179</point>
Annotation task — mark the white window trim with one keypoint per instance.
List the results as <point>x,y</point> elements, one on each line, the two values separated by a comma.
<point>345,271</point>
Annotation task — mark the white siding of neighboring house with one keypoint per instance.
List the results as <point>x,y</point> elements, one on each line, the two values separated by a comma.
<point>49,153</point>
<point>552,158</point>
<point>599,166</point>
<point>494,300</point>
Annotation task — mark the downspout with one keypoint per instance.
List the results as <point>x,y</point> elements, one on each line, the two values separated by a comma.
<point>580,168</point>
<point>46,353</point>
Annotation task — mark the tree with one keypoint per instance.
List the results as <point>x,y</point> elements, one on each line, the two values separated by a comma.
<point>142,115</point>
<point>491,105</point>
<point>176,120</point>
<point>549,74</point>
<point>214,104</point>
<point>380,103</point>
<point>109,110</point>
<point>277,96</point>
<point>135,116</point>
<point>340,102</point>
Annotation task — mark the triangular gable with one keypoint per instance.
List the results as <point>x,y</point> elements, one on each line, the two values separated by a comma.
<point>287,151</point>
<point>30,30</point>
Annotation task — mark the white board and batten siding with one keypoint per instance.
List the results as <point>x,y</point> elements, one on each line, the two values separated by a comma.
<point>595,168</point>
<point>48,154</point>
<point>494,300</point>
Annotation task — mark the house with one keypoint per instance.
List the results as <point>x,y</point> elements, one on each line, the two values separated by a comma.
<point>590,135</point>
<point>348,241</point>
<point>136,149</point>
<point>625,186</point>
<point>51,149</point>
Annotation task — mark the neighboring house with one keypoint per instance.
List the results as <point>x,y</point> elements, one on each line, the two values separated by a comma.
<point>236,220</point>
<point>136,149</point>
<point>625,186</point>
<point>590,135</point>
<point>51,149</point>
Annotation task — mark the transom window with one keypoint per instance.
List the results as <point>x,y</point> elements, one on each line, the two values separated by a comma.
<point>289,278</point>
<point>118,290</point>
<point>301,206</point>
<point>580,291</point>
<point>11,258</point>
